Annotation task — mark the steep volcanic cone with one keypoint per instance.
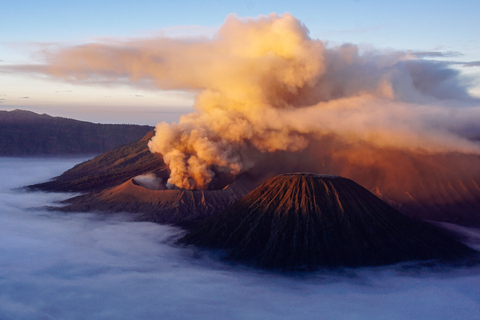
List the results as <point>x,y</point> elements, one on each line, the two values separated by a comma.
<point>307,220</point>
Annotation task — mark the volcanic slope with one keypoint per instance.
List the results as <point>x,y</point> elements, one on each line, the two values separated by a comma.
<point>439,187</point>
<point>177,206</point>
<point>306,220</point>
<point>108,169</point>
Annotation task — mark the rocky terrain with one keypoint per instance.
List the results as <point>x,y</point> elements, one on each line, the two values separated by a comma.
<point>293,221</point>
<point>305,220</point>
<point>437,187</point>
<point>108,169</point>
<point>177,206</point>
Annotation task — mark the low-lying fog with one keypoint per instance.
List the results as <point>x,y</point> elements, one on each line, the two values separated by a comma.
<point>83,266</point>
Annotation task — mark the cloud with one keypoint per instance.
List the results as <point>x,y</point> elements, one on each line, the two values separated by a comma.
<point>472,64</point>
<point>85,266</point>
<point>461,63</point>
<point>435,54</point>
<point>263,85</point>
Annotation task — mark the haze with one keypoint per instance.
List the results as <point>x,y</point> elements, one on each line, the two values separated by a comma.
<point>79,266</point>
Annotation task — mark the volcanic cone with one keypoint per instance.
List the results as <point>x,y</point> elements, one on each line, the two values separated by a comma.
<point>308,220</point>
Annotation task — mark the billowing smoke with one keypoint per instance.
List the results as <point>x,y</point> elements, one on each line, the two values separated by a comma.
<point>265,86</point>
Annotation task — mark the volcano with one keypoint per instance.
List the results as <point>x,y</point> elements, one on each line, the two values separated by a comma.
<point>177,207</point>
<point>296,221</point>
<point>437,187</point>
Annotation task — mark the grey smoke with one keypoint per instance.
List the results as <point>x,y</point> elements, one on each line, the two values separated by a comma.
<point>150,181</point>
<point>87,266</point>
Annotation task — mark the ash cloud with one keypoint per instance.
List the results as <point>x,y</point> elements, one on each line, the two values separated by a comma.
<point>263,86</point>
<point>82,266</point>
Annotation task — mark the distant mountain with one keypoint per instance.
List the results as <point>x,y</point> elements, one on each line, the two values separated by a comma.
<point>25,133</point>
<point>305,220</point>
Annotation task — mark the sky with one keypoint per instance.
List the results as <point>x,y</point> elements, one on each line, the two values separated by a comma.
<point>87,266</point>
<point>440,30</point>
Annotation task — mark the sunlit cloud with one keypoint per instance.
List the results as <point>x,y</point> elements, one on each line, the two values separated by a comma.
<point>263,85</point>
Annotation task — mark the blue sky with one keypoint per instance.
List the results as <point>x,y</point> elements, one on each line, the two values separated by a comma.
<point>449,28</point>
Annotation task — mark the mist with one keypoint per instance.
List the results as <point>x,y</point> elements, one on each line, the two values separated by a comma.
<point>105,266</point>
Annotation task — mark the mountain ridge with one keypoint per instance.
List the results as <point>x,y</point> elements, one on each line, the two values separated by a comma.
<point>108,169</point>
<point>26,133</point>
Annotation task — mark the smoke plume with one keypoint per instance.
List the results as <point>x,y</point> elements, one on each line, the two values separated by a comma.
<point>263,85</point>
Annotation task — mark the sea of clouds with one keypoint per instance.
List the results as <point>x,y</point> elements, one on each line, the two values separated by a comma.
<point>88,266</point>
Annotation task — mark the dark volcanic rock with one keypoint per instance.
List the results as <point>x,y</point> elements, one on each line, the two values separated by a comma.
<point>179,207</point>
<point>307,220</point>
<point>440,187</point>
<point>108,169</point>
<point>110,182</point>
